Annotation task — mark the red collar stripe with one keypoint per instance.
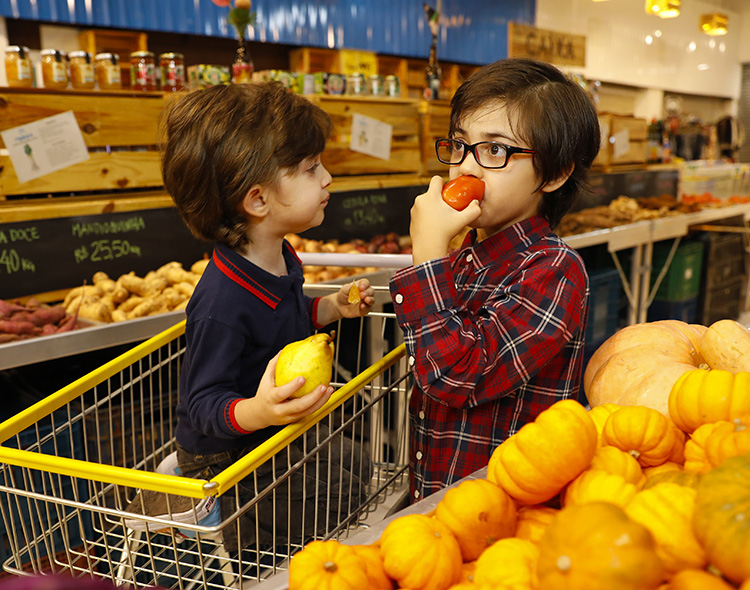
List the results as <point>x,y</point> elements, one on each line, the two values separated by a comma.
<point>245,281</point>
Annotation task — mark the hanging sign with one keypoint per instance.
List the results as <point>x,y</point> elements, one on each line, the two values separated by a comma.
<point>557,48</point>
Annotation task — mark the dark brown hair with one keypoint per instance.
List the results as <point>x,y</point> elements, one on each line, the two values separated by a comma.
<point>221,141</point>
<point>554,116</point>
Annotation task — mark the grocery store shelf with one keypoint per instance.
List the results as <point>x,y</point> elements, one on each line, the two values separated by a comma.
<point>93,337</point>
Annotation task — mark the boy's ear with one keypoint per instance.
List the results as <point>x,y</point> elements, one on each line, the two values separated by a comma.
<point>255,202</point>
<point>555,184</point>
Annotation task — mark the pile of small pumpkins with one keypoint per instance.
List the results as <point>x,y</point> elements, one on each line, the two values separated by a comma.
<point>618,497</point>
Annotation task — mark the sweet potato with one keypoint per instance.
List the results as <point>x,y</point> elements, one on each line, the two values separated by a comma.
<point>18,327</point>
<point>8,307</point>
<point>41,316</point>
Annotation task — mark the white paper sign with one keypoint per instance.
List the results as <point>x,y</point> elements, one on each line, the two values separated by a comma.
<point>621,143</point>
<point>45,146</point>
<point>371,137</point>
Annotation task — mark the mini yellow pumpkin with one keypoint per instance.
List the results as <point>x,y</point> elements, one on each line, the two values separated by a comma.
<point>693,579</point>
<point>704,396</point>
<point>478,513</point>
<point>599,415</point>
<point>596,485</point>
<point>690,479</point>
<point>535,463</point>
<point>510,562</point>
<point>376,576</point>
<point>645,433</point>
<point>667,511</point>
<point>728,439</point>
<point>595,546</point>
<point>695,449</point>
<point>618,462</point>
<point>421,553</point>
<point>649,472</point>
<point>722,517</point>
<point>533,520</point>
<point>327,565</point>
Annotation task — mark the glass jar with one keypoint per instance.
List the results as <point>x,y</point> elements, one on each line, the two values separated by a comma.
<point>81,70</point>
<point>172,72</point>
<point>142,71</point>
<point>54,69</point>
<point>18,66</point>
<point>108,73</point>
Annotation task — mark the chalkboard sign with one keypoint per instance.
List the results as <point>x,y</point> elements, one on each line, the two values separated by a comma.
<point>52,254</point>
<point>364,214</point>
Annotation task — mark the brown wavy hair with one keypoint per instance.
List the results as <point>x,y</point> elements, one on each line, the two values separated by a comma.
<point>219,142</point>
<point>554,116</point>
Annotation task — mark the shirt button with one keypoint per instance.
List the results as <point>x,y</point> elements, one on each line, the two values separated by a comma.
<point>469,258</point>
<point>419,455</point>
<point>399,298</point>
<point>421,414</point>
<point>411,361</point>
<point>416,493</point>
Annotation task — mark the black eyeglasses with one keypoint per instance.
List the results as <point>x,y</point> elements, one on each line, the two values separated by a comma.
<point>488,154</point>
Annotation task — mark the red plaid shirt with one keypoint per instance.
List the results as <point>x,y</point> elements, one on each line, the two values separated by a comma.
<point>495,332</point>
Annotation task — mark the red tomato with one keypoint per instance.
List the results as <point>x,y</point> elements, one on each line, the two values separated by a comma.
<point>461,191</point>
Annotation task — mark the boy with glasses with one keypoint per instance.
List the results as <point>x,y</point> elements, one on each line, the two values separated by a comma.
<point>495,330</point>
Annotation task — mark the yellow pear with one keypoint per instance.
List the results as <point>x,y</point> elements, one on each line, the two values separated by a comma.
<point>312,358</point>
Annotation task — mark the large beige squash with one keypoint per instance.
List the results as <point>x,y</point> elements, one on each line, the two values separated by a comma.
<point>726,346</point>
<point>640,363</point>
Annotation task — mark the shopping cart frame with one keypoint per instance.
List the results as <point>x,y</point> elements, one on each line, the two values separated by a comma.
<point>117,477</point>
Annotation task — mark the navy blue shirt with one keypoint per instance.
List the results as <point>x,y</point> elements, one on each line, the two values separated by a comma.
<point>238,318</point>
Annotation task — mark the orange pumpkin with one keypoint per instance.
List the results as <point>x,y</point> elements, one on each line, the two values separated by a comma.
<point>597,545</point>
<point>690,579</point>
<point>722,517</point>
<point>643,432</point>
<point>595,485</point>
<point>535,463</point>
<point>695,449</point>
<point>327,565</point>
<point>667,511</point>
<point>509,562</point>
<point>728,439</point>
<point>618,462</point>
<point>478,513</point>
<point>533,520</point>
<point>704,396</point>
<point>421,553</point>
<point>599,415</point>
<point>639,364</point>
<point>376,576</point>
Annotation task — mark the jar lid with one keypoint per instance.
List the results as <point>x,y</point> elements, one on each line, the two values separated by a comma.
<point>22,49</point>
<point>85,54</point>
<point>171,56</point>
<point>56,53</point>
<point>113,56</point>
<point>142,54</point>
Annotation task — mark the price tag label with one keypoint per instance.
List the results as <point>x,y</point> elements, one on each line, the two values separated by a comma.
<point>371,137</point>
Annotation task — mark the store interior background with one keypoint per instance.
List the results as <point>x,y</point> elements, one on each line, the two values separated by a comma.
<point>641,60</point>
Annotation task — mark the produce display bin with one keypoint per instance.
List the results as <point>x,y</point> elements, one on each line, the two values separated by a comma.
<point>682,280</point>
<point>118,423</point>
<point>605,292</point>
<point>685,311</point>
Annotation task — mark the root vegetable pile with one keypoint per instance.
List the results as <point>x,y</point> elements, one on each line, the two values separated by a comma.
<point>19,321</point>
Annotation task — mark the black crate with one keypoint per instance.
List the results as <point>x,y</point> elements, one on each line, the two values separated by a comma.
<point>725,259</point>
<point>685,311</point>
<point>725,302</point>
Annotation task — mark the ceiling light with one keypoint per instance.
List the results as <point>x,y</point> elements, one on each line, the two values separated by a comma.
<point>663,8</point>
<point>714,24</point>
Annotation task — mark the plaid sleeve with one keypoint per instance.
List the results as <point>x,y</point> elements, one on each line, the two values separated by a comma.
<point>497,336</point>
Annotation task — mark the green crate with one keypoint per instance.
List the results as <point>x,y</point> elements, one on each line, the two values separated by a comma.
<point>683,278</point>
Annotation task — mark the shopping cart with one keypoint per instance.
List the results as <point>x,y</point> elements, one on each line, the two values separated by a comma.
<point>78,464</point>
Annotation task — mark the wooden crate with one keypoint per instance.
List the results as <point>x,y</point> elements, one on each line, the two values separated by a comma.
<point>434,117</point>
<point>624,140</point>
<point>402,115</point>
<point>120,130</point>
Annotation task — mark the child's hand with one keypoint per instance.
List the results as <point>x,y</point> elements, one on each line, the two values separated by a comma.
<point>274,406</point>
<point>434,223</point>
<point>355,299</point>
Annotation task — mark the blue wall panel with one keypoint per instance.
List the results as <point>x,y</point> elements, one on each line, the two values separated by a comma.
<point>475,31</point>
